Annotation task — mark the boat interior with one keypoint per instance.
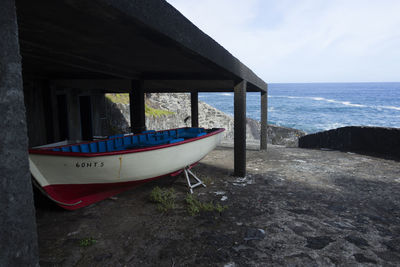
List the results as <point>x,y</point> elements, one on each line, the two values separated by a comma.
<point>124,142</point>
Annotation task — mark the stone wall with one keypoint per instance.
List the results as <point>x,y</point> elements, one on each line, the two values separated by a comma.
<point>209,117</point>
<point>375,140</point>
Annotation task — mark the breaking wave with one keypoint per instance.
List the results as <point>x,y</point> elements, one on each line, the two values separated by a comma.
<point>345,103</point>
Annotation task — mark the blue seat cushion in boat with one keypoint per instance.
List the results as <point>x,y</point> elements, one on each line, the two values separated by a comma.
<point>75,148</point>
<point>102,146</point>
<point>148,139</point>
<point>84,148</point>
<point>93,147</point>
<point>176,140</point>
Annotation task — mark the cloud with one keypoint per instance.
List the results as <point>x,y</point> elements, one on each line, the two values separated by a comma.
<point>305,40</point>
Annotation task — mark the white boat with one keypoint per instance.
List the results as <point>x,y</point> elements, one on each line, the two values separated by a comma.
<point>77,175</point>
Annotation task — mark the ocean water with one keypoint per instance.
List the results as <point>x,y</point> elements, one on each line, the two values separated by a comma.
<point>314,107</point>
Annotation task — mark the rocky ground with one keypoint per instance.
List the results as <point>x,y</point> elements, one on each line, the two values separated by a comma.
<point>296,207</point>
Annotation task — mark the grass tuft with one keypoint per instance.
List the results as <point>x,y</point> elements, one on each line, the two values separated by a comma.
<point>87,242</point>
<point>165,199</point>
<point>118,98</point>
<point>157,112</point>
<point>194,206</point>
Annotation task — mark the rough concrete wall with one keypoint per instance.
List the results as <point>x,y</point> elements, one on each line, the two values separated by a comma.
<point>18,238</point>
<point>377,140</point>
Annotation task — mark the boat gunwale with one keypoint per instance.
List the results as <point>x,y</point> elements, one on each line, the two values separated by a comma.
<point>48,151</point>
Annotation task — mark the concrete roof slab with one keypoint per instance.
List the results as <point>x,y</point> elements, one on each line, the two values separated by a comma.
<point>148,40</point>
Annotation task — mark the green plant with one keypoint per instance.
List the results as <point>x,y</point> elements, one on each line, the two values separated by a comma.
<point>208,181</point>
<point>220,208</point>
<point>156,112</point>
<point>194,206</point>
<point>207,206</point>
<point>149,111</point>
<point>118,98</point>
<point>165,199</point>
<point>86,242</point>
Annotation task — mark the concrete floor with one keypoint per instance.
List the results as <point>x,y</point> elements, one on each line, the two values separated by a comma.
<point>295,207</point>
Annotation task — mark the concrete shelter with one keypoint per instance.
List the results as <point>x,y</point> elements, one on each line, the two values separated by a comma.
<point>58,58</point>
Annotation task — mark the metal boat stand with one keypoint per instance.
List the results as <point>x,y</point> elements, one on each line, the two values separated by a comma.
<point>188,172</point>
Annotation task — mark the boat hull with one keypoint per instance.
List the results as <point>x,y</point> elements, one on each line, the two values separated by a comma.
<point>77,181</point>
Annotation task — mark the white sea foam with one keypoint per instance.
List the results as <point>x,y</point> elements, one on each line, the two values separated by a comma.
<point>390,107</point>
<point>226,94</point>
<point>354,105</point>
<point>345,103</point>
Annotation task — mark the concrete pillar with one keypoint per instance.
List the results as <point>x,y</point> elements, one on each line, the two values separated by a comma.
<point>137,107</point>
<point>240,129</point>
<point>264,117</point>
<point>54,110</point>
<point>49,112</point>
<point>194,103</point>
<point>74,115</point>
<point>18,237</point>
<point>35,112</point>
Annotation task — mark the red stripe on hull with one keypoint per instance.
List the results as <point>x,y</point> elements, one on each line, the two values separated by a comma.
<point>86,194</point>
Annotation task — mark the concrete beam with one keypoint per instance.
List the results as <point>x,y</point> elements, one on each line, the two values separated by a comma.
<point>240,129</point>
<point>264,118</point>
<point>137,107</point>
<point>194,104</point>
<point>118,85</point>
<point>18,238</point>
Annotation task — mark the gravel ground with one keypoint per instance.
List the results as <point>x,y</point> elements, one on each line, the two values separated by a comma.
<point>295,207</point>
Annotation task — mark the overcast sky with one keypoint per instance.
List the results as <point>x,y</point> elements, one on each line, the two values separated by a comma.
<point>305,40</point>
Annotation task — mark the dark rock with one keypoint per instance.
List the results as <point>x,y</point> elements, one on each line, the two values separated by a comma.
<point>301,259</point>
<point>302,211</point>
<point>336,207</point>
<point>358,241</point>
<point>217,239</point>
<point>103,257</point>
<point>388,256</point>
<point>279,135</point>
<point>50,264</point>
<point>362,259</point>
<point>300,230</point>
<point>393,245</point>
<point>212,256</point>
<point>318,242</point>
<point>171,250</point>
<point>254,234</point>
<point>241,247</point>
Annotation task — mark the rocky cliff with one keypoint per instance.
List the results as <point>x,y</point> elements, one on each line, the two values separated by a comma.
<point>209,117</point>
